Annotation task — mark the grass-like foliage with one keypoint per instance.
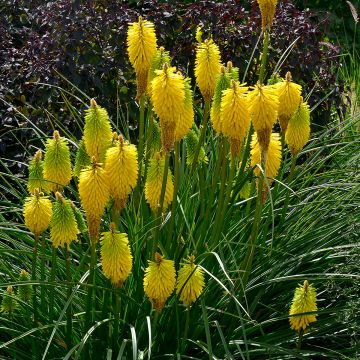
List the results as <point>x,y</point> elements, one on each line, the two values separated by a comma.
<point>189,245</point>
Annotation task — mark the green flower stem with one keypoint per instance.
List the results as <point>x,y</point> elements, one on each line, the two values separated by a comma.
<point>202,136</point>
<point>89,316</point>
<point>186,329</point>
<point>149,139</point>
<point>69,291</point>
<point>42,273</point>
<point>33,275</point>
<point>116,319</point>
<point>221,198</point>
<point>287,196</point>
<point>52,280</point>
<point>176,187</point>
<point>156,240</point>
<point>141,132</point>
<point>202,176</point>
<point>246,149</point>
<point>264,55</point>
<point>298,345</point>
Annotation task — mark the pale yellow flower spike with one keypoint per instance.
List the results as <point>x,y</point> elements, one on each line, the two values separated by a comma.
<point>159,281</point>
<point>267,9</point>
<point>141,42</point>
<point>207,68</point>
<point>304,301</point>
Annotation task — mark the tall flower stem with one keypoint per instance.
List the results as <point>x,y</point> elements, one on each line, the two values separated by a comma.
<point>202,136</point>
<point>89,305</point>
<point>42,272</point>
<point>116,318</point>
<point>186,330</point>
<point>176,187</point>
<point>149,139</point>
<point>287,196</point>
<point>69,290</point>
<point>33,275</point>
<point>156,240</point>
<point>141,131</point>
<point>264,55</point>
<point>52,280</point>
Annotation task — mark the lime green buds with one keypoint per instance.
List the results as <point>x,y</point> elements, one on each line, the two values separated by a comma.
<point>25,292</point>
<point>9,303</point>
<point>97,131</point>
<point>57,165</point>
<point>63,226</point>
<point>36,176</point>
<point>191,141</point>
<point>82,159</point>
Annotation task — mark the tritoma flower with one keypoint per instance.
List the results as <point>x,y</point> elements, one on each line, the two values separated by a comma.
<point>121,166</point>
<point>234,115</point>
<point>273,159</point>
<point>267,9</point>
<point>190,282</point>
<point>97,131</point>
<point>289,95</point>
<point>168,98</point>
<point>25,292</point>
<point>57,164</point>
<point>159,281</point>
<point>9,303</point>
<point>186,117</point>
<point>116,259</point>
<point>263,106</point>
<point>36,174</point>
<point>141,42</point>
<point>304,301</point>
<point>191,141</point>
<point>298,129</point>
<point>153,184</point>
<point>94,193</point>
<point>207,68</point>
<point>37,213</point>
<point>222,83</point>
<point>63,226</point>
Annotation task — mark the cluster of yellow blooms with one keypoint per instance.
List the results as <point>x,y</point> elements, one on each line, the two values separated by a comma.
<point>107,165</point>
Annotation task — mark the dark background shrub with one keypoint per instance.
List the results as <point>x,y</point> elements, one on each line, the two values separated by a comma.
<point>85,43</point>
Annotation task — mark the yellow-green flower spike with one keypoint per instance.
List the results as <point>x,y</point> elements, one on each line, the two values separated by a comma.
<point>57,164</point>
<point>9,303</point>
<point>97,131</point>
<point>155,145</point>
<point>25,292</point>
<point>141,46</point>
<point>82,159</point>
<point>191,141</point>
<point>94,193</point>
<point>298,129</point>
<point>36,174</point>
<point>190,282</point>
<point>161,57</point>
<point>304,301</point>
<point>121,166</point>
<point>207,68</point>
<point>153,184</point>
<point>289,99</point>
<point>159,281</point>
<point>116,259</point>
<point>37,213</point>
<point>63,226</point>
<point>79,219</point>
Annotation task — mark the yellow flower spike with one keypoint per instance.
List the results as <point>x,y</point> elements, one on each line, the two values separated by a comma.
<point>37,213</point>
<point>304,301</point>
<point>159,281</point>
<point>298,129</point>
<point>153,184</point>
<point>116,259</point>
<point>121,166</point>
<point>63,226</point>
<point>57,164</point>
<point>36,174</point>
<point>207,68</point>
<point>186,118</point>
<point>234,115</point>
<point>190,282</point>
<point>263,106</point>
<point>168,98</point>
<point>289,98</point>
<point>141,42</point>
<point>273,159</point>
<point>97,131</point>
<point>94,193</point>
<point>267,9</point>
